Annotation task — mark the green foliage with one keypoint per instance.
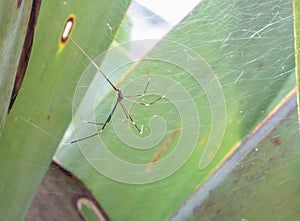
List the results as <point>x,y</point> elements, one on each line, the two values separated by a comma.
<point>297,46</point>
<point>247,46</point>
<point>13,23</point>
<point>45,97</point>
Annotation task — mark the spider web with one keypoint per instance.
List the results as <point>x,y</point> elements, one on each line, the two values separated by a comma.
<point>249,47</point>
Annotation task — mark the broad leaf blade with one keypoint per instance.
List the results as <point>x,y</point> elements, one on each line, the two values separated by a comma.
<point>42,110</point>
<point>249,46</point>
<point>249,185</point>
<point>297,46</point>
<point>14,22</point>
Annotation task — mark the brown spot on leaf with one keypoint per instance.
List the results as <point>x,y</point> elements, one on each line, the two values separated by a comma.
<point>19,3</point>
<point>260,65</point>
<point>276,141</point>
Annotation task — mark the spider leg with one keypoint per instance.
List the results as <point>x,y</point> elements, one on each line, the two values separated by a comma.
<point>131,120</point>
<point>90,122</point>
<point>101,130</point>
<point>146,104</point>
<point>143,94</point>
<point>145,90</point>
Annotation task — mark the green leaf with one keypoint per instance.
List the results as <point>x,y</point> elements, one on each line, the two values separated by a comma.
<point>247,45</point>
<point>259,180</point>
<point>44,104</point>
<point>231,53</point>
<point>297,46</point>
<point>13,22</point>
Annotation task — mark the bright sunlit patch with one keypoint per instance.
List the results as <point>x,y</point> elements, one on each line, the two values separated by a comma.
<point>66,33</point>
